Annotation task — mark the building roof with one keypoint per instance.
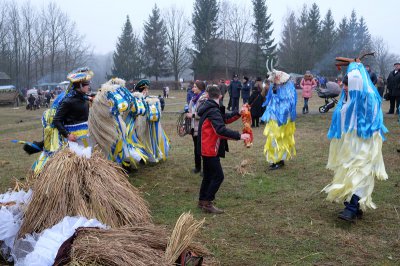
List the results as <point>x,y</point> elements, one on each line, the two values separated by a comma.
<point>4,76</point>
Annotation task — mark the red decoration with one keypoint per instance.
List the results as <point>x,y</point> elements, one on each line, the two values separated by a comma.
<point>246,120</point>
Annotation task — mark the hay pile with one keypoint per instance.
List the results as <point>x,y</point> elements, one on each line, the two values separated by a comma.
<point>137,245</point>
<point>70,185</point>
<point>140,245</point>
<point>182,236</point>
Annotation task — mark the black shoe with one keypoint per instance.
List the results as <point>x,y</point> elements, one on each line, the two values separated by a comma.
<point>304,110</point>
<point>282,163</point>
<point>275,166</point>
<point>195,171</point>
<point>347,215</point>
<point>398,150</point>
<point>390,113</point>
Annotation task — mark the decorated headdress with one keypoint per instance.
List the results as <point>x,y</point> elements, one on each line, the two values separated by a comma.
<point>81,75</point>
<point>344,61</point>
<point>276,76</point>
<point>142,85</point>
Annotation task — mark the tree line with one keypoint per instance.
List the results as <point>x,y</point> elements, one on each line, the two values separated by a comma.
<point>38,45</point>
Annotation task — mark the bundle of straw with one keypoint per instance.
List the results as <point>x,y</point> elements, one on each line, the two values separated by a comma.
<point>139,245</point>
<point>70,185</point>
<point>182,236</point>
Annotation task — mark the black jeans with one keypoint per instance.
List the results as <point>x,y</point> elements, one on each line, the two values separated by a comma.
<point>394,102</point>
<point>255,121</point>
<point>212,180</point>
<point>197,156</point>
<point>235,104</point>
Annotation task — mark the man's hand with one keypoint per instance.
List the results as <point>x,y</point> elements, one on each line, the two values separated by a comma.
<point>72,137</point>
<point>189,115</point>
<point>245,136</point>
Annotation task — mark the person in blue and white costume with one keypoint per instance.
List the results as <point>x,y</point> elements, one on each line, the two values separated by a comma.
<point>355,153</point>
<point>279,117</point>
<point>148,127</point>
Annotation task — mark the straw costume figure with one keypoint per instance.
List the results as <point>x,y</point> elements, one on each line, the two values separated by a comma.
<point>279,116</point>
<point>246,120</point>
<point>356,133</point>
<point>148,128</point>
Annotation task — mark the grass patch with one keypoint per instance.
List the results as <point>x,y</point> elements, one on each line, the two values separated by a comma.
<point>272,218</point>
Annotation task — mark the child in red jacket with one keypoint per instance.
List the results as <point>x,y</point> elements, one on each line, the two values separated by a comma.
<point>212,132</point>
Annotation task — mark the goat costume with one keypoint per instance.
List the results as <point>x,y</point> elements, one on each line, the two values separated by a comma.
<point>356,133</point>
<point>280,116</point>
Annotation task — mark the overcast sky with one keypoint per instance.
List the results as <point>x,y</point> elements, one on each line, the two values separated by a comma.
<point>101,21</point>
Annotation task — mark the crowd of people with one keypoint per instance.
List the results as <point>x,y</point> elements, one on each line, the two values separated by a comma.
<point>355,152</point>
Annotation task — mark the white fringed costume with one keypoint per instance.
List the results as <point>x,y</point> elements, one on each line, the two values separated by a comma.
<point>355,153</point>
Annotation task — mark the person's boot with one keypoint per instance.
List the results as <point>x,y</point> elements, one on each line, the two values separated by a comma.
<point>350,211</point>
<point>210,208</point>
<point>304,110</point>
<point>307,109</point>
<point>359,213</point>
<point>274,166</point>
<point>201,204</point>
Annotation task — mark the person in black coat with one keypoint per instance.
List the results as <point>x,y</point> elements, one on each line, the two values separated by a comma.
<point>393,86</point>
<point>234,88</point>
<point>256,101</point>
<point>73,109</point>
<point>246,88</point>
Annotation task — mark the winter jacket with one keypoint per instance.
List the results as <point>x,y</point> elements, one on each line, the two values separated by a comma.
<point>373,77</point>
<point>393,83</point>
<point>212,129</point>
<point>71,111</point>
<point>223,89</point>
<point>256,101</point>
<point>193,108</point>
<point>246,88</point>
<point>234,88</point>
<point>307,86</point>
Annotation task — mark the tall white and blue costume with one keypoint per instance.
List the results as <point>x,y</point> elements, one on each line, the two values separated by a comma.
<point>356,133</point>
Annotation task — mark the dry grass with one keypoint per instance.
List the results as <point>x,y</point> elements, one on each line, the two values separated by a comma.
<point>70,185</point>
<point>182,236</point>
<point>141,246</point>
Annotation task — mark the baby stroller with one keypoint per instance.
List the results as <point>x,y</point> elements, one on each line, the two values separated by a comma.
<point>329,93</point>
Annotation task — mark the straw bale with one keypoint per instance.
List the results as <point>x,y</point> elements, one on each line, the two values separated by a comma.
<point>70,185</point>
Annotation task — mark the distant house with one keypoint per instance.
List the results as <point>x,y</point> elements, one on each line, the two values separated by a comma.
<point>4,79</point>
<point>231,58</point>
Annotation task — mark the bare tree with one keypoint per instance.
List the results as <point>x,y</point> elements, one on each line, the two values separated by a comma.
<point>239,30</point>
<point>55,19</point>
<point>15,35</point>
<point>223,22</point>
<point>383,59</point>
<point>5,56</point>
<point>29,22</point>
<point>178,34</point>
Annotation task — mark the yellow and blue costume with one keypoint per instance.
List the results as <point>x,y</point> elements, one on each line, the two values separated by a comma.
<point>280,116</point>
<point>356,133</point>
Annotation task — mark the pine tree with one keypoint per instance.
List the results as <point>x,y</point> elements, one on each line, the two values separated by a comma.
<point>314,31</point>
<point>155,46</point>
<point>327,45</point>
<point>303,49</point>
<point>363,43</point>
<point>127,55</point>
<point>262,32</point>
<point>205,23</point>
<point>288,45</point>
<point>343,38</point>
<point>353,28</point>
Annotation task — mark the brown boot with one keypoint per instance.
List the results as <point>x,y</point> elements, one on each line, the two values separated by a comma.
<point>201,204</point>
<point>210,208</point>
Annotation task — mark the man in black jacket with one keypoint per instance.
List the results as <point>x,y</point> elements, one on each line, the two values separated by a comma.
<point>74,109</point>
<point>212,131</point>
<point>234,88</point>
<point>393,86</point>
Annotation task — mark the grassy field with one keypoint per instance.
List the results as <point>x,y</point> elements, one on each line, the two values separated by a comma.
<point>272,218</point>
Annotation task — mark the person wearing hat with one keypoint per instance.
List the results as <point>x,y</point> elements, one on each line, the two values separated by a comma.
<point>246,89</point>
<point>235,87</point>
<point>73,110</point>
<point>143,87</point>
<point>393,86</point>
